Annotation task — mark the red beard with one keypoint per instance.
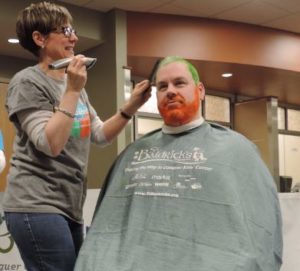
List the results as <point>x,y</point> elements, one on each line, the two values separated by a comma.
<point>181,112</point>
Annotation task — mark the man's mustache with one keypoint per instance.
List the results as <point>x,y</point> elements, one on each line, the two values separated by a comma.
<point>178,99</point>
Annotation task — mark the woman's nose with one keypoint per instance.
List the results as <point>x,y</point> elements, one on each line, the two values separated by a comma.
<point>73,37</point>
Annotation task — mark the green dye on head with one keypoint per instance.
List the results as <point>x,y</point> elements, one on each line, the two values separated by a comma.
<point>171,59</point>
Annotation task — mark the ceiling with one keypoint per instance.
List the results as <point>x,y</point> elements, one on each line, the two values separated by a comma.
<point>278,14</point>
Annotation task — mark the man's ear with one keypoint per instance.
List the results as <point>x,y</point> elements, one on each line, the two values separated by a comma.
<point>38,38</point>
<point>202,91</point>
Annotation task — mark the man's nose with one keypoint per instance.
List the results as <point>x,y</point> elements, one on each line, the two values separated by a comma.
<point>171,94</point>
<point>171,90</point>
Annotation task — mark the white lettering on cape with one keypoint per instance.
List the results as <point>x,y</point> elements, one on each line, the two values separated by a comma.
<point>161,173</point>
<point>155,154</point>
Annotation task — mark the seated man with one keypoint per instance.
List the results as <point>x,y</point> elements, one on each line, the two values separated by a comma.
<point>189,196</point>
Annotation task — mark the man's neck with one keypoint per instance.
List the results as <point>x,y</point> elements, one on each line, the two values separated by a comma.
<point>182,128</point>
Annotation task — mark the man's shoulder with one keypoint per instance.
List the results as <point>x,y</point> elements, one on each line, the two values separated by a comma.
<point>217,128</point>
<point>149,135</point>
<point>231,137</point>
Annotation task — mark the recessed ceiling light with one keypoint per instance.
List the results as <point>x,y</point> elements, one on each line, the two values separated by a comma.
<point>13,40</point>
<point>226,75</point>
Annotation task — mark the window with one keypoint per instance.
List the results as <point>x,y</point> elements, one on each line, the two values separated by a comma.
<point>217,109</point>
<point>293,117</point>
<point>151,105</point>
<point>145,125</point>
<point>148,117</point>
<point>281,118</point>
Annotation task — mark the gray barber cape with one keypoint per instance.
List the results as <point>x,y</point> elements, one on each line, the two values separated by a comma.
<point>200,200</point>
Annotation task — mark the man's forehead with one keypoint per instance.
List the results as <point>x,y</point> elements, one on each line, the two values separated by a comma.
<point>171,71</point>
<point>174,65</point>
<point>171,78</point>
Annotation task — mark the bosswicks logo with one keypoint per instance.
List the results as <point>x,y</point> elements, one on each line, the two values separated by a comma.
<point>193,157</point>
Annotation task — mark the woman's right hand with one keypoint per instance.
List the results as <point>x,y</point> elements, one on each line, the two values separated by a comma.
<point>59,126</point>
<point>77,74</point>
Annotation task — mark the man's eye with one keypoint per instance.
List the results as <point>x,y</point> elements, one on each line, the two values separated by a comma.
<point>179,83</point>
<point>162,87</point>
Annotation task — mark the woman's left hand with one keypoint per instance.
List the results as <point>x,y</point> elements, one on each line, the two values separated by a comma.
<point>140,94</point>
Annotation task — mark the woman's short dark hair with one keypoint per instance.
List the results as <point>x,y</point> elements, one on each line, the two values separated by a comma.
<point>43,17</point>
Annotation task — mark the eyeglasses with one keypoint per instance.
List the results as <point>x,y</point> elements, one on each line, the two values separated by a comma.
<point>66,30</point>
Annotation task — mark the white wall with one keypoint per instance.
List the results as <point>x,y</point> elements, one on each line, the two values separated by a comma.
<point>289,157</point>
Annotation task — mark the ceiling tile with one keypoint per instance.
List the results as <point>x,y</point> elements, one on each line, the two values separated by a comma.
<point>101,5</point>
<point>209,7</point>
<point>255,12</point>
<point>173,9</point>
<point>132,5</point>
<point>288,5</point>
<point>288,23</point>
<point>76,2</point>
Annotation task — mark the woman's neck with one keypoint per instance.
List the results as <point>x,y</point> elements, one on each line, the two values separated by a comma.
<point>56,74</point>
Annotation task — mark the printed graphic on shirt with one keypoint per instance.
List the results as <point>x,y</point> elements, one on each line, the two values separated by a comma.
<point>82,124</point>
<point>1,141</point>
<point>156,172</point>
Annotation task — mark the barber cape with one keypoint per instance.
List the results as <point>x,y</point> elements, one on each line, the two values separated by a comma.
<point>199,200</point>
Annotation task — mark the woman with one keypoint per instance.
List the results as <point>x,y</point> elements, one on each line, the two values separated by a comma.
<point>55,124</point>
